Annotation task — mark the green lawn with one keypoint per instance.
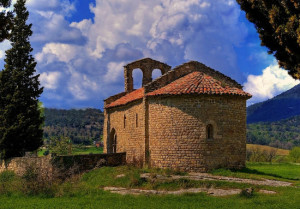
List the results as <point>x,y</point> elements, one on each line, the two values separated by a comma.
<point>279,171</point>
<point>79,150</point>
<point>86,191</point>
<point>87,150</point>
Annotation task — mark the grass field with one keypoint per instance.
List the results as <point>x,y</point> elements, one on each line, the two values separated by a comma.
<point>79,150</point>
<point>86,192</point>
<point>268,148</point>
<point>87,150</point>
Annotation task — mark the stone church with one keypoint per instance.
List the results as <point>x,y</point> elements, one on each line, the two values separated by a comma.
<point>191,118</point>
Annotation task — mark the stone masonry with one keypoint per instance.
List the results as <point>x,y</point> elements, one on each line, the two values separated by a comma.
<point>192,118</point>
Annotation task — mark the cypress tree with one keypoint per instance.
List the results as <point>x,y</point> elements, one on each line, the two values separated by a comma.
<point>278,25</point>
<point>20,118</point>
<point>5,20</point>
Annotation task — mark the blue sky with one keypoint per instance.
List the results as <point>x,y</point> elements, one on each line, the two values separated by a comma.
<point>81,46</point>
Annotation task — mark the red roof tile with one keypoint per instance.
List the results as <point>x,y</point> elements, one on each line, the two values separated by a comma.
<point>197,83</point>
<point>132,96</point>
<point>193,83</point>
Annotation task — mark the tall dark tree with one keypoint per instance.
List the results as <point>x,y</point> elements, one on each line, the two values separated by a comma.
<point>20,118</point>
<point>278,25</point>
<point>5,20</point>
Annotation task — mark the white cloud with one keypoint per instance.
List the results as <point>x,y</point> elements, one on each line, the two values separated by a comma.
<point>90,54</point>
<point>272,82</point>
<point>114,72</point>
<point>52,27</point>
<point>62,6</point>
<point>61,52</point>
<point>50,80</point>
<point>79,85</point>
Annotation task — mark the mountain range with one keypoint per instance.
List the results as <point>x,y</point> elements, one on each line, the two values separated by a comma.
<point>285,105</point>
<point>276,122</point>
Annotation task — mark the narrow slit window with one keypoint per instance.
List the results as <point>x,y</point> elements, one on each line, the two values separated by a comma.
<point>136,120</point>
<point>124,121</point>
<point>209,131</point>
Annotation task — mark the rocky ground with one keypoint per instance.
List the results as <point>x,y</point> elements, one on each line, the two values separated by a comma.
<point>198,177</point>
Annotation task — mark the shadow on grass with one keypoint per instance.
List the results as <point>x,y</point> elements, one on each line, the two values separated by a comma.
<point>254,171</point>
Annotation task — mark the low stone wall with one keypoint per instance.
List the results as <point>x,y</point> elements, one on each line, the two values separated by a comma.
<point>62,167</point>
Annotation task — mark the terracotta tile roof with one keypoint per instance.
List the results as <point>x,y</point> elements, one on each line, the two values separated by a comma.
<point>198,83</point>
<point>192,83</point>
<point>132,96</point>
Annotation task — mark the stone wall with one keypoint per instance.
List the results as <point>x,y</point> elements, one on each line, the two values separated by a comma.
<point>171,131</point>
<point>129,125</point>
<point>177,132</point>
<point>50,167</point>
<point>40,165</point>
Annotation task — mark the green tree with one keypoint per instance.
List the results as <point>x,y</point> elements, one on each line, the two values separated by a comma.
<point>5,21</point>
<point>20,118</point>
<point>278,25</point>
<point>60,145</point>
<point>295,154</point>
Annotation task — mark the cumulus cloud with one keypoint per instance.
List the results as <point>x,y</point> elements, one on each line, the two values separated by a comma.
<point>50,80</point>
<point>54,29</point>
<point>270,83</point>
<point>114,72</point>
<point>57,52</point>
<point>90,54</point>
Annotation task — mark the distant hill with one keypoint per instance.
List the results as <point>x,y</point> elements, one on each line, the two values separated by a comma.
<point>82,126</point>
<point>283,106</point>
<point>281,134</point>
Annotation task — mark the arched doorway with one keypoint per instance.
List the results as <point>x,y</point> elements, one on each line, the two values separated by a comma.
<point>112,148</point>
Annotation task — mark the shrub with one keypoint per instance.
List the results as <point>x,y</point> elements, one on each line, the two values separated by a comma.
<point>248,192</point>
<point>295,154</point>
<point>259,155</point>
<point>9,183</point>
<point>33,184</point>
<point>7,176</point>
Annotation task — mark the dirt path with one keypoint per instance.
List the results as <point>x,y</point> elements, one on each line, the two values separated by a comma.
<point>209,191</point>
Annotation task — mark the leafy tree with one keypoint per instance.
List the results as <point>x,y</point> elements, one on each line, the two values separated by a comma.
<point>20,118</point>
<point>278,25</point>
<point>5,20</point>
<point>60,145</point>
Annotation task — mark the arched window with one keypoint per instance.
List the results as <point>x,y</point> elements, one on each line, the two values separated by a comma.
<point>137,76</point>
<point>209,131</point>
<point>156,73</point>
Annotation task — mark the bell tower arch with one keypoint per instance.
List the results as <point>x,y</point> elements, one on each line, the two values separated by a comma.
<point>147,65</point>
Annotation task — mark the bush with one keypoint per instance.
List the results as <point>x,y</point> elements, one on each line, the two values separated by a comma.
<point>60,145</point>
<point>259,155</point>
<point>295,154</point>
<point>7,176</point>
<point>9,183</point>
